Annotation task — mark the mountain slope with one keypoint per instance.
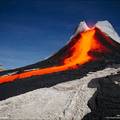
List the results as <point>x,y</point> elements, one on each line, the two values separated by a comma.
<point>65,101</point>
<point>87,45</point>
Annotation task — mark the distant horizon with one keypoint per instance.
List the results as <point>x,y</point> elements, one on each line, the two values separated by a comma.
<point>32,30</point>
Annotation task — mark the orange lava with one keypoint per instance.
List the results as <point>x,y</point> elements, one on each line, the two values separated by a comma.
<point>80,50</point>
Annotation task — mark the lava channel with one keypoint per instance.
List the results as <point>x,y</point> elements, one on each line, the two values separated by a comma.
<point>79,56</point>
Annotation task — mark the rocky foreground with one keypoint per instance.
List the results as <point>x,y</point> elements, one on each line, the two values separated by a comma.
<point>96,96</point>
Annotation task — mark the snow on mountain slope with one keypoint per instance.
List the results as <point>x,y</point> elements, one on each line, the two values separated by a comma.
<point>107,28</point>
<point>66,101</point>
<point>81,28</point>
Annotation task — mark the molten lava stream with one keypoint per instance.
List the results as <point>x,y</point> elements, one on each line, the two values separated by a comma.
<point>79,56</point>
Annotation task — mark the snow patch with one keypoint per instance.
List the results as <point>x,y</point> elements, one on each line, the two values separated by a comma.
<point>107,28</point>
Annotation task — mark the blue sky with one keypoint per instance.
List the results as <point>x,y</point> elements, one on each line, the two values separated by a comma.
<point>31,30</point>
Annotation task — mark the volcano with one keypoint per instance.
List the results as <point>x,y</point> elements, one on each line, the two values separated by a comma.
<point>85,46</point>
<point>91,53</point>
<point>88,48</point>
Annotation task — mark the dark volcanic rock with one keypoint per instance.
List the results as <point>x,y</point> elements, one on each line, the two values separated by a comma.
<point>105,104</point>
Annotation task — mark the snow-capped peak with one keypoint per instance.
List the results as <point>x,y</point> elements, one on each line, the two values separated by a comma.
<point>108,29</point>
<point>82,27</point>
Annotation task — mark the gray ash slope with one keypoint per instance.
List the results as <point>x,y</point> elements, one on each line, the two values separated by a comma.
<point>85,93</point>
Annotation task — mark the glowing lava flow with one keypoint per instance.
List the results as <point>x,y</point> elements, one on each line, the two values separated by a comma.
<point>79,50</point>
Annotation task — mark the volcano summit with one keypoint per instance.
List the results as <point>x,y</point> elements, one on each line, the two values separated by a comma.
<point>88,50</point>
